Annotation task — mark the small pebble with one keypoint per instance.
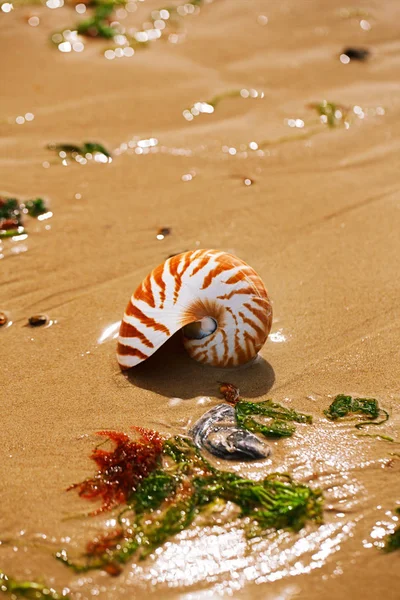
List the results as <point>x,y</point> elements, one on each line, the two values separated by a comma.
<point>3,319</point>
<point>162,232</point>
<point>37,320</point>
<point>356,53</point>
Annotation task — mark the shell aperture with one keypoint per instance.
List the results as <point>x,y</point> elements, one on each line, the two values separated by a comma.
<point>217,432</point>
<point>217,299</point>
<point>200,329</point>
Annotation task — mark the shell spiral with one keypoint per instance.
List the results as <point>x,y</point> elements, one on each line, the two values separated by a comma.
<point>219,301</point>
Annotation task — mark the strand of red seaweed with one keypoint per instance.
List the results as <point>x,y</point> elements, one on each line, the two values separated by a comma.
<point>121,469</point>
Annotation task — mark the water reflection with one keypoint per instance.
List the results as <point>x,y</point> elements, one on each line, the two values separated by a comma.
<point>109,333</point>
<point>277,336</point>
<point>212,554</point>
<point>45,216</point>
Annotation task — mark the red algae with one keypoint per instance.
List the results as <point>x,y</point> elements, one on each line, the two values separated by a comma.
<point>229,392</point>
<point>104,544</point>
<point>122,469</point>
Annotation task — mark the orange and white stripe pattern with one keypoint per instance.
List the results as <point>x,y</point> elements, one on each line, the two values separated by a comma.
<point>219,292</point>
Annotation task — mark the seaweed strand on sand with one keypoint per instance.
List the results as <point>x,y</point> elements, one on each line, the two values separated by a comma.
<point>28,589</point>
<point>344,406</point>
<point>13,211</point>
<point>280,419</point>
<point>176,485</point>
<point>102,23</point>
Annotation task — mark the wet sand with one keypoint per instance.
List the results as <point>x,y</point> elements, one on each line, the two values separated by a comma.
<point>319,223</point>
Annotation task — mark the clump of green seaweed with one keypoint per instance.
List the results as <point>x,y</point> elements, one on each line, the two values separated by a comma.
<point>10,217</point>
<point>12,213</point>
<point>98,25</point>
<point>36,207</point>
<point>331,113</point>
<point>392,541</point>
<point>281,419</point>
<point>102,23</point>
<point>86,151</point>
<point>344,406</point>
<point>182,485</point>
<point>28,589</point>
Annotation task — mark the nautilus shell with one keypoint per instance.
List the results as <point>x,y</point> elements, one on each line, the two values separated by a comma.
<point>218,301</point>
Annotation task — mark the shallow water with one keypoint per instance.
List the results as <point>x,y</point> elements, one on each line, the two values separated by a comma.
<point>319,222</point>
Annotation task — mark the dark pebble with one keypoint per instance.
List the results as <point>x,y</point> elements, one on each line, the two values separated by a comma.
<point>357,53</point>
<point>37,320</point>
<point>164,231</point>
<point>3,319</point>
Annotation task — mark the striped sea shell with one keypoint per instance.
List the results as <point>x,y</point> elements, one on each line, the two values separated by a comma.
<point>219,301</point>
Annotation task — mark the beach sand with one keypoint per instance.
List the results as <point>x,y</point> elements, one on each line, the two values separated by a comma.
<point>319,223</point>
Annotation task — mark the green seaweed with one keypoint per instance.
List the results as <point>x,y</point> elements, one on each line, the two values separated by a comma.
<point>344,406</point>
<point>10,218</point>
<point>9,208</point>
<point>393,539</point>
<point>291,138</point>
<point>215,100</point>
<point>385,438</point>
<point>36,207</point>
<point>281,418</point>
<point>177,517</point>
<point>98,25</point>
<point>196,109</point>
<point>333,114</point>
<point>93,147</point>
<point>28,589</point>
<point>86,148</point>
<point>185,485</point>
<point>12,213</point>
<point>6,233</point>
<point>153,491</point>
<point>21,3</point>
